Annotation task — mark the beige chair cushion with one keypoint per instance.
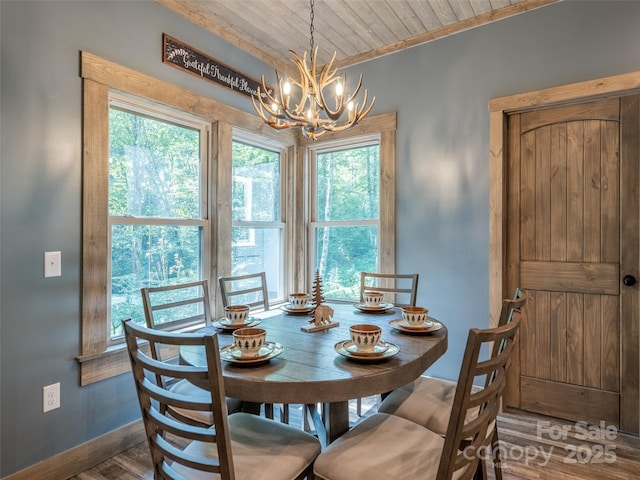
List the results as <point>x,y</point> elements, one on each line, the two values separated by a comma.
<point>427,401</point>
<point>183,387</point>
<point>262,450</point>
<point>382,447</point>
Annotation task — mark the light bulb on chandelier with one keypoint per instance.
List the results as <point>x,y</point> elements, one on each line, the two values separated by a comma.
<point>311,112</point>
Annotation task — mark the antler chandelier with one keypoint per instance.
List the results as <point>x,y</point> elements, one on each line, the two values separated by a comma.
<point>311,111</point>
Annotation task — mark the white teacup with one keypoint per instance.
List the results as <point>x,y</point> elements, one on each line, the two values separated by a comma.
<point>372,299</point>
<point>414,316</point>
<point>365,336</point>
<point>249,340</point>
<point>298,300</point>
<point>237,314</point>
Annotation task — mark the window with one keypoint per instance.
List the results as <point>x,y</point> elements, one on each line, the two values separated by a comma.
<point>344,228</point>
<point>157,207</point>
<point>232,201</point>
<point>257,217</point>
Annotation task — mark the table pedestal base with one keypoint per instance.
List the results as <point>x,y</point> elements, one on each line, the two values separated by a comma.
<point>332,422</point>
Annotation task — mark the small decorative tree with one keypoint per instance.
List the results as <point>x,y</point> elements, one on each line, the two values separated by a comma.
<point>317,295</point>
<point>321,314</point>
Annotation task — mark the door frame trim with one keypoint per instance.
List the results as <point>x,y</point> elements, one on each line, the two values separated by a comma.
<point>499,108</point>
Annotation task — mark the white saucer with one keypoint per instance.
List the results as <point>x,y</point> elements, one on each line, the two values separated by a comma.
<point>264,351</point>
<point>378,349</point>
<point>390,351</point>
<point>225,324</point>
<point>427,324</point>
<point>270,350</point>
<point>430,326</point>
<point>289,309</point>
<point>382,307</point>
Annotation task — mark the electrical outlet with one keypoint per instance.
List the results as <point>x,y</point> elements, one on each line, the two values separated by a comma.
<point>51,397</point>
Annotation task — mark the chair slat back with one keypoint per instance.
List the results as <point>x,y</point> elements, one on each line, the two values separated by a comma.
<point>509,306</point>
<point>250,289</point>
<point>171,306</point>
<point>401,289</point>
<point>167,435</point>
<point>468,435</point>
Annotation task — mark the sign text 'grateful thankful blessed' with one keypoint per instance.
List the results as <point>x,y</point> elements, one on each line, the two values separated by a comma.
<point>183,57</point>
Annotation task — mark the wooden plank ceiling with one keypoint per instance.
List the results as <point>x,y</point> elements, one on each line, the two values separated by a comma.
<point>357,30</point>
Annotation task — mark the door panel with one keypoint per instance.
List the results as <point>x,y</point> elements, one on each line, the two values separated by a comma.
<point>564,224</point>
<point>571,276</point>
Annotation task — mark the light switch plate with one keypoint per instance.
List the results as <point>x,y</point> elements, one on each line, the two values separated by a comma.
<point>52,264</point>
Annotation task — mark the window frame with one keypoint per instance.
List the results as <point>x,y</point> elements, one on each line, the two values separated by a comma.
<point>258,141</point>
<point>383,129</point>
<point>314,223</point>
<point>97,359</point>
<point>157,112</point>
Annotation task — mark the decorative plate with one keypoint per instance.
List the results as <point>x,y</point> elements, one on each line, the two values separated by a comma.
<point>381,308</point>
<point>225,324</point>
<point>343,349</point>
<point>270,350</point>
<point>430,326</point>
<point>289,309</point>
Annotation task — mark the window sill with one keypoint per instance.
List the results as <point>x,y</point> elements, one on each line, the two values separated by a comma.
<point>113,361</point>
<point>100,366</point>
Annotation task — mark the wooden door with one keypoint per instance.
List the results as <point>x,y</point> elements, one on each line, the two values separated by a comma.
<point>572,235</point>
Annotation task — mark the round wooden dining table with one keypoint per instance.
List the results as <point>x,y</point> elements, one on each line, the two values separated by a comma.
<point>311,371</point>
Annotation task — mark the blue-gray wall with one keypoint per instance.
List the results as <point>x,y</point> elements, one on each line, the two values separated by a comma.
<point>439,90</point>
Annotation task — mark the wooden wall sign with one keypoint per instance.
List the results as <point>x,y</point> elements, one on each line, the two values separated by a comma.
<point>183,57</point>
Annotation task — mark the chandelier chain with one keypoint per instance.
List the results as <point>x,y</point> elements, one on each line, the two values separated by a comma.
<point>310,107</point>
<point>311,15</point>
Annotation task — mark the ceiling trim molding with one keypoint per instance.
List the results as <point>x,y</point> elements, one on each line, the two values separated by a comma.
<point>446,31</point>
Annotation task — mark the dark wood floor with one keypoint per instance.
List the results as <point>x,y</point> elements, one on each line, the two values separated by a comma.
<point>534,448</point>
<point>539,447</point>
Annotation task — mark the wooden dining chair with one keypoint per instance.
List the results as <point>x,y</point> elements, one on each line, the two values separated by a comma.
<point>401,289</point>
<point>389,446</point>
<point>180,306</point>
<point>250,289</point>
<point>239,445</point>
<point>428,401</point>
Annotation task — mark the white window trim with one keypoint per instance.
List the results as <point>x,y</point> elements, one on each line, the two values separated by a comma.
<point>260,141</point>
<point>313,224</point>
